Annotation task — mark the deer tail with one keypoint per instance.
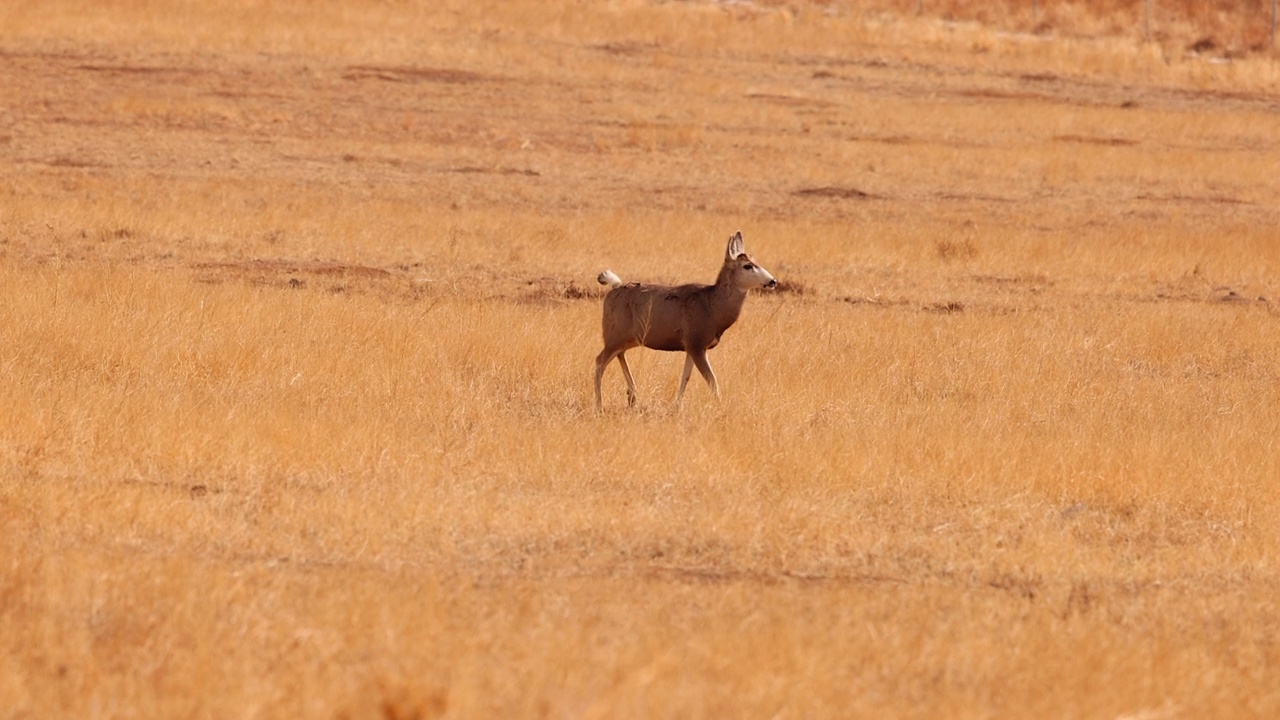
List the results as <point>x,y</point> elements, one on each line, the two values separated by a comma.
<point>608,277</point>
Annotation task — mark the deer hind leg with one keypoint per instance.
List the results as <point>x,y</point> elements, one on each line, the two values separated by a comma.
<point>602,360</point>
<point>684,376</point>
<point>700,359</point>
<point>626,373</point>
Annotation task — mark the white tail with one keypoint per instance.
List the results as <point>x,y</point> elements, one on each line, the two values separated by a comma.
<point>608,277</point>
<point>679,318</point>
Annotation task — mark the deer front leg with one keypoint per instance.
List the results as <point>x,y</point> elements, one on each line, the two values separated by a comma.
<point>684,376</point>
<point>704,367</point>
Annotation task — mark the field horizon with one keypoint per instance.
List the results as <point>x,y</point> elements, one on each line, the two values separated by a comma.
<point>298,314</point>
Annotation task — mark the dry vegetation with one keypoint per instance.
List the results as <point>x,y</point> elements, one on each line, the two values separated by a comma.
<point>297,321</point>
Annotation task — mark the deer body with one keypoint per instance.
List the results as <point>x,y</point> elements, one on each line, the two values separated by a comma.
<point>676,318</point>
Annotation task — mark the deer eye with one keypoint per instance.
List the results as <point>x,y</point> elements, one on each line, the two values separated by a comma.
<point>748,266</point>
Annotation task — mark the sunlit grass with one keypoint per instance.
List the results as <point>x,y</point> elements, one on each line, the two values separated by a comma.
<point>1050,456</point>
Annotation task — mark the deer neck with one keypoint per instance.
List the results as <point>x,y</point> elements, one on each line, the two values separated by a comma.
<point>726,301</point>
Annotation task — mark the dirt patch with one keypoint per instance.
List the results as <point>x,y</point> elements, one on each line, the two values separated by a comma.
<point>836,193</point>
<point>334,277</point>
<point>138,69</point>
<point>414,74</point>
<point>945,308</point>
<point>495,171</point>
<point>1111,141</point>
<point>1032,279</point>
<point>789,100</point>
<point>1194,199</point>
<point>551,290</point>
<point>625,48</point>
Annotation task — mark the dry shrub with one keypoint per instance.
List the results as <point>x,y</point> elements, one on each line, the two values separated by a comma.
<point>956,250</point>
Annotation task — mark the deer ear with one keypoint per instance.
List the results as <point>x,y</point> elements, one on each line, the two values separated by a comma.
<point>732,252</point>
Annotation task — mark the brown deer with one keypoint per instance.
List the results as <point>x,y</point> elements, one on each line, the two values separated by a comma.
<point>679,318</point>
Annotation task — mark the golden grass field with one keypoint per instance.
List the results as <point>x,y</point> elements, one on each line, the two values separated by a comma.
<point>298,316</point>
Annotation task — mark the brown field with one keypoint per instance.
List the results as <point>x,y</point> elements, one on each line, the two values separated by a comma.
<point>298,315</point>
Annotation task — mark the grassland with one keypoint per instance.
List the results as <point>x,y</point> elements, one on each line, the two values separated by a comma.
<point>297,318</point>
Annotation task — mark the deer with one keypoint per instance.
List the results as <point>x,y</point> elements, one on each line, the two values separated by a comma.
<point>676,318</point>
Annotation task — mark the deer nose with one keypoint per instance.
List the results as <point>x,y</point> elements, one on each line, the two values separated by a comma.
<point>773,283</point>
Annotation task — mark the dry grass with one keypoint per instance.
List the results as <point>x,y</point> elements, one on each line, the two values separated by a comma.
<point>297,320</point>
